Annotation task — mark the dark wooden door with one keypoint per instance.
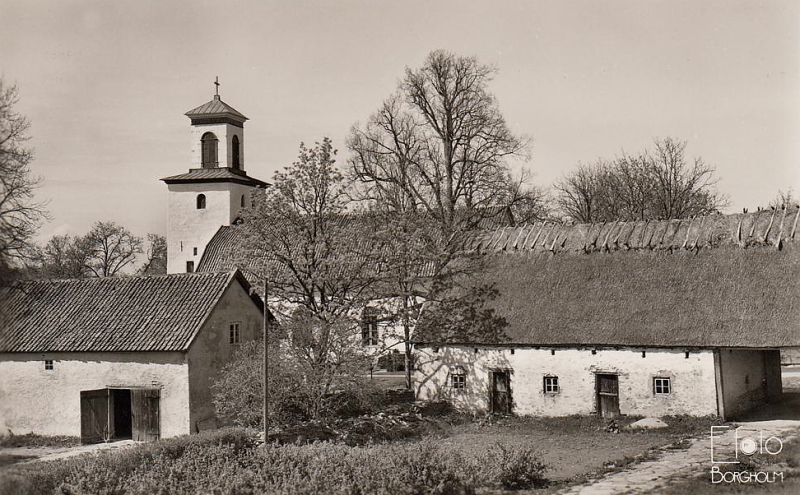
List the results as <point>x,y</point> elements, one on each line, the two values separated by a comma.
<point>607,395</point>
<point>96,423</point>
<point>145,423</point>
<point>501,392</point>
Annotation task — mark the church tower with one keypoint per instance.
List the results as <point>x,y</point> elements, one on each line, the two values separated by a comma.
<point>214,190</point>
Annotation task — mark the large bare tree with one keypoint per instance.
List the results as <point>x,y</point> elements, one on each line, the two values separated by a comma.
<point>658,183</point>
<point>20,215</point>
<point>439,145</point>
<point>108,248</point>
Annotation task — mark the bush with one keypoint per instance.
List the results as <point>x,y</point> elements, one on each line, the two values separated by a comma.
<point>226,462</point>
<point>514,468</point>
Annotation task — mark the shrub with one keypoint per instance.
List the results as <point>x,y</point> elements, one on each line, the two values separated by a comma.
<point>227,462</point>
<point>512,467</point>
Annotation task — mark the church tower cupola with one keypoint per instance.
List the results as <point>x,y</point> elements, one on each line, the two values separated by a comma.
<point>217,135</point>
<point>214,190</point>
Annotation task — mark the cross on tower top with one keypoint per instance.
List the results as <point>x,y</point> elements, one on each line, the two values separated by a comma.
<point>216,83</point>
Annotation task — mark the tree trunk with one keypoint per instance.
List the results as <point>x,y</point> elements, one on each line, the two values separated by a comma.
<point>407,337</point>
<point>266,363</point>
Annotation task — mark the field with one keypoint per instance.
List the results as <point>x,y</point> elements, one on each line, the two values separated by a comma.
<point>450,456</point>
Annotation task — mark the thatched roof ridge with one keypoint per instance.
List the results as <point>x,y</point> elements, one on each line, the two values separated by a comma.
<point>763,228</point>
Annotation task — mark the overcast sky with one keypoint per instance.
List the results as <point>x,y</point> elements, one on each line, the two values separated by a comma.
<point>106,83</point>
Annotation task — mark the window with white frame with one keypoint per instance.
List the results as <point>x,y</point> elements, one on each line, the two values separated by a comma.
<point>458,378</point>
<point>233,333</point>
<point>662,385</point>
<point>48,365</point>
<point>551,384</point>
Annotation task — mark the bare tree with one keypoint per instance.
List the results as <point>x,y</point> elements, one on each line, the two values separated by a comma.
<point>156,261</point>
<point>784,199</point>
<point>653,184</point>
<point>439,144</point>
<point>580,194</point>
<point>109,248</point>
<point>20,215</point>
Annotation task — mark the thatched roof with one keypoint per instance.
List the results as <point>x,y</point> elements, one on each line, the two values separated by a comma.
<point>723,297</point>
<point>768,227</point>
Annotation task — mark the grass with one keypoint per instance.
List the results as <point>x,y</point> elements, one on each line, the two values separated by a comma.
<point>32,440</point>
<point>579,447</point>
<point>788,462</point>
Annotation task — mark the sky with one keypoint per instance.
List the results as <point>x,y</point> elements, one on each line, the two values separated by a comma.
<point>105,85</point>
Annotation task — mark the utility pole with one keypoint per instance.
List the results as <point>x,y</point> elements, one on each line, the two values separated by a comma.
<point>265,325</point>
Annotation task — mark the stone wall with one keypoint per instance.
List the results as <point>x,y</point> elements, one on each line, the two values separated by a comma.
<point>47,402</point>
<point>693,380</point>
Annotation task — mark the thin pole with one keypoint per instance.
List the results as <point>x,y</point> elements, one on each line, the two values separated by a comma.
<point>266,363</point>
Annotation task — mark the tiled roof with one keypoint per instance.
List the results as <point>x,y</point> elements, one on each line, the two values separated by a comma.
<point>222,174</point>
<point>116,314</point>
<point>215,108</point>
<point>227,251</point>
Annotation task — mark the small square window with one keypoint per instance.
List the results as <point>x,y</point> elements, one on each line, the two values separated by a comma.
<point>551,384</point>
<point>189,266</point>
<point>234,333</point>
<point>662,385</point>
<point>194,251</point>
<point>458,378</point>
<point>48,365</point>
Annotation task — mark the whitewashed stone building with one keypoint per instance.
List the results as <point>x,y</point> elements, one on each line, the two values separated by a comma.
<point>640,318</point>
<point>115,358</point>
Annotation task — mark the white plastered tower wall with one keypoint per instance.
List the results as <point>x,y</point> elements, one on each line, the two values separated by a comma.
<point>189,227</point>
<point>224,132</point>
<point>223,183</point>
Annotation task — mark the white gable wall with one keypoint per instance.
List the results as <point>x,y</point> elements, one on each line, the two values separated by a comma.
<point>48,402</point>
<point>693,379</point>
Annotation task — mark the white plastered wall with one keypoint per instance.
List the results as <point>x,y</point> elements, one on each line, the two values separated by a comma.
<point>36,400</point>
<point>693,379</point>
<point>189,227</point>
<point>224,134</point>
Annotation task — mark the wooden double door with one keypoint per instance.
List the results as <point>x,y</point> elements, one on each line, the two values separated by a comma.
<point>120,413</point>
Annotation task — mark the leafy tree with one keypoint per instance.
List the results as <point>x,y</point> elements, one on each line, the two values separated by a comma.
<point>62,257</point>
<point>20,215</point>
<point>658,183</point>
<point>301,240</point>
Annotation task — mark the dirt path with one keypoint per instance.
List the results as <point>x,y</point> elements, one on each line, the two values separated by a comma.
<point>680,464</point>
<point>38,454</point>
